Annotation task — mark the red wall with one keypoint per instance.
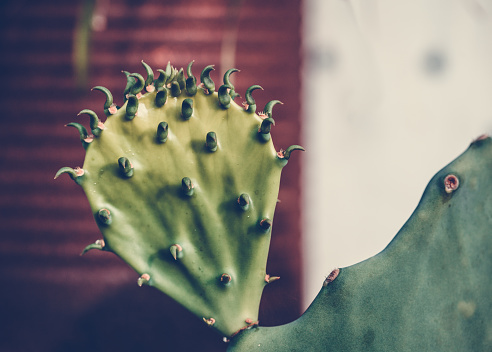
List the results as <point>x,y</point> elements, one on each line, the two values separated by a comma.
<point>51,299</point>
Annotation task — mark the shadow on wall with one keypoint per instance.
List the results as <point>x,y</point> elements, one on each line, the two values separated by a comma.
<point>128,321</point>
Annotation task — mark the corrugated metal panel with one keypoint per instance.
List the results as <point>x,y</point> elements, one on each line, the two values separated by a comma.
<point>53,300</point>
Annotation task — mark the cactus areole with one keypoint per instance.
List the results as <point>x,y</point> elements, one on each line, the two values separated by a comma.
<point>183,186</point>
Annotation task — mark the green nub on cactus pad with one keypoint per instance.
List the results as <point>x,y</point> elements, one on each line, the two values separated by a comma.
<point>183,186</point>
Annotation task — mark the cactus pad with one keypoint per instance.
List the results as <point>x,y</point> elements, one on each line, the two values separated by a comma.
<point>183,186</point>
<point>429,290</point>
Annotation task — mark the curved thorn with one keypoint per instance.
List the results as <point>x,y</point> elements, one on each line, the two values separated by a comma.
<point>224,97</point>
<point>162,132</point>
<point>75,174</point>
<point>187,186</point>
<point>138,85</point>
<point>84,136</point>
<point>176,251</point>
<point>265,128</point>
<point>175,89</point>
<point>96,125</point>
<point>126,167</point>
<point>149,87</point>
<point>143,280</point>
<point>208,83</point>
<point>109,107</point>
<point>129,84</point>
<point>190,81</point>
<point>269,279</point>
<point>285,154</point>
<point>99,244</point>
<point>269,106</point>
<point>211,141</point>
<point>180,78</point>
<point>187,108</point>
<point>104,217</point>
<point>250,102</point>
<point>169,72</point>
<point>209,321</point>
<point>161,80</point>
<point>172,75</point>
<point>161,97</point>
<point>188,69</point>
<point>244,201</point>
<point>131,107</point>
<point>265,224</point>
<point>227,81</point>
<point>227,75</point>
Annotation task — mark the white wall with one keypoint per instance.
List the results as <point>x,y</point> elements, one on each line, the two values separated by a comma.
<point>393,91</point>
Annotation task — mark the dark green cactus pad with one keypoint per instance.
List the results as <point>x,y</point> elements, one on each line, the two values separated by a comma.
<point>429,290</point>
<point>167,180</point>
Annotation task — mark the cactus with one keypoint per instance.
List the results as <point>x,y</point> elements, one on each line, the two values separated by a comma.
<point>428,290</point>
<point>183,184</point>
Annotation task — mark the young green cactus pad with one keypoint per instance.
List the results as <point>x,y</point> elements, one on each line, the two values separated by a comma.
<point>429,290</point>
<point>183,185</point>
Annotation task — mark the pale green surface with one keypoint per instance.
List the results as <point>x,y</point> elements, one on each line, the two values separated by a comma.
<point>150,214</point>
<point>429,290</point>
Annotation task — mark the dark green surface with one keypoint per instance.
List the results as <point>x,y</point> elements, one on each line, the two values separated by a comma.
<point>429,290</point>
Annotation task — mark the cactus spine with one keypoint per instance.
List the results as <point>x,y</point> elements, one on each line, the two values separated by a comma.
<point>183,185</point>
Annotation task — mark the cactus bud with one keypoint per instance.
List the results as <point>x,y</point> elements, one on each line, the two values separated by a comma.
<point>161,80</point>
<point>211,142</point>
<point>187,108</point>
<point>143,280</point>
<point>161,97</point>
<point>131,107</point>
<point>162,132</point>
<point>250,105</point>
<point>138,85</point>
<point>175,89</point>
<point>126,167</point>
<point>187,186</point>
<point>104,216</point>
<point>208,83</point>
<point>148,85</point>
<point>176,251</point>
<point>224,97</point>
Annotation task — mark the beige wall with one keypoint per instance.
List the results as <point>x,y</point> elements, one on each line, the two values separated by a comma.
<point>393,91</point>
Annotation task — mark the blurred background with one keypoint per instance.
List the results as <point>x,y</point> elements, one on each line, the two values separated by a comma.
<point>381,93</point>
<point>392,92</point>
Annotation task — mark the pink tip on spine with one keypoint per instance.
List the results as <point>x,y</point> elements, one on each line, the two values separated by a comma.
<point>113,109</point>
